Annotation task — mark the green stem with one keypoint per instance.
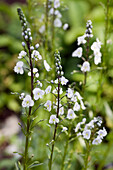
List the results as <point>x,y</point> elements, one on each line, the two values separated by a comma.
<point>106,31</point>
<point>53,42</point>
<point>87,155</point>
<point>30,108</point>
<point>87,58</point>
<point>105,50</point>
<point>64,156</point>
<point>46,28</point>
<point>26,144</point>
<point>66,148</point>
<point>53,31</point>
<point>85,79</point>
<point>54,136</point>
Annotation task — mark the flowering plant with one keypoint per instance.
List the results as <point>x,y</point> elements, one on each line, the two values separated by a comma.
<point>66,107</point>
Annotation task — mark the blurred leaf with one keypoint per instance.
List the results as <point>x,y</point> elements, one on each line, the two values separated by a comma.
<point>35,164</point>
<point>13,105</point>
<point>109,115</point>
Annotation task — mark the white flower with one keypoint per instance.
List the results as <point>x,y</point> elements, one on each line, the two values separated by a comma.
<point>48,105</point>
<point>109,41</point>
<point>96,45</point>
<point>84,120</point>
<point>48,89</point>
<point>56,3</point>
<point>79,134</point>
<point>42,18</point>
<point>64,80</point>
<point>69,93</point>
<point>37,45</point>
<point>64,129</point>
<point>99,42</point>
<point>77,127</point>
<point>65,26</point>
<point>38,93</point>
<point>76,107</point>
<point>56,81</point>
<point>57,23</point>
<point>86,134</point>
<point>82,105</point>
<point>102,133</point>
<point>78,95</point>
<point>81,40</point>
<point>31,48</point>
<point>51,11</point>
<point>97,60</point>
<point>35,72</point>
<point>97,53</point>
<point>53,119</point>
<point>89,125</point>
<point>36,55</point>
<point>61,111</point>
<point>22,54</point>
<point>39,83</point>
<point>21,96</point>
<point>97,141</point>
<point>85,67</point>
<point>55,91</point>
<point>77,52</point>
<point>27,101</point>
<point>73,99</point>
<point>42,29</point>
<point>46,65</point>
<point>23,44</point>
<point>19,67</point>
<point>71,114</point>
<point>58,14</point>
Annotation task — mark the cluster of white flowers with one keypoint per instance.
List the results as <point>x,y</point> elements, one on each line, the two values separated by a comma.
<point>36,55</point>
<point>91,131</point>
<point>75,100</point>
<point>88,32</point>
<point>95,47</point>
<point>48,105</point>
<point>58,15</point>
<point>35,72</point>
<point>53,7</point>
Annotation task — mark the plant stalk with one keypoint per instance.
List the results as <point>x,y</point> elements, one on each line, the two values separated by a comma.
<point>87,155</point>
<point>54,136</point>
<point>29,114</point>
<point>46,28</point>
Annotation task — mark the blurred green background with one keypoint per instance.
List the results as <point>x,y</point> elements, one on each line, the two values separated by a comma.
<point>75,13</point>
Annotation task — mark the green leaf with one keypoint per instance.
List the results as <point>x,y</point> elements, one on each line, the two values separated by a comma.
<point>35,164</point>
<point>58,150</point>
<point>18,166</point>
